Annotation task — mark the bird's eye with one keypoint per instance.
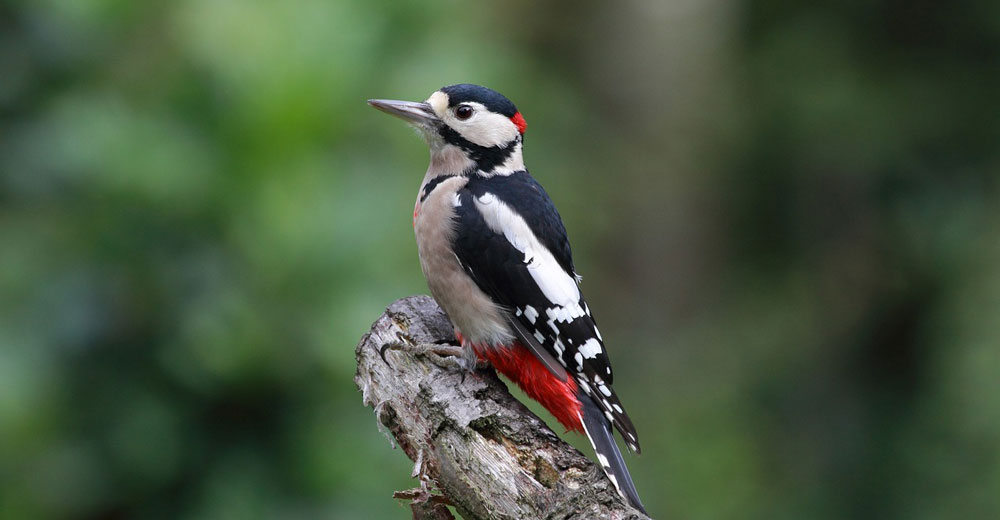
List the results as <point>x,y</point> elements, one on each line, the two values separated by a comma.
<point>463,112</point>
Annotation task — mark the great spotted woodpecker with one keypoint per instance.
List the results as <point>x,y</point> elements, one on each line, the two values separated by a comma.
<point>495,254</point>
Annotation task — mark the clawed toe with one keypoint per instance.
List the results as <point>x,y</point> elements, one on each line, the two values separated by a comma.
<point>445,354</point>
<point>449,357</point>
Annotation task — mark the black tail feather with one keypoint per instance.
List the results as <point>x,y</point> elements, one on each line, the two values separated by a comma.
<point>608,455</point>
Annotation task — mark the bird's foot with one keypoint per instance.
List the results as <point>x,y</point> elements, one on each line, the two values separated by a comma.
<point>445,354</point>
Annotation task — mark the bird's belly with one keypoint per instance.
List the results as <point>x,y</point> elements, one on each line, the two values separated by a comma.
<point>471,311</point>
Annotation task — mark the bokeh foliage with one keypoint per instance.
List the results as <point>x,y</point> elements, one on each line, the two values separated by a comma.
<point>787,216</point>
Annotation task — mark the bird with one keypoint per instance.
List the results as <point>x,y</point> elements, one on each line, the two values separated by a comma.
<point>497,259</point>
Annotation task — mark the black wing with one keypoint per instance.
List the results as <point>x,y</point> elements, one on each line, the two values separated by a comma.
<point>511,241</point>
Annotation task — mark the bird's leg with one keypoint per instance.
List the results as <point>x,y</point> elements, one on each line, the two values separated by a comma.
<point>445,354</point>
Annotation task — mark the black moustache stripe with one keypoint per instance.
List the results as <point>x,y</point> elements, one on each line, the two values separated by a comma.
<point>431,184</point>
<point>486,158</point>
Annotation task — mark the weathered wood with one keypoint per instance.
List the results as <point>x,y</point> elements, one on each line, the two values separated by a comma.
<point>474,446</point>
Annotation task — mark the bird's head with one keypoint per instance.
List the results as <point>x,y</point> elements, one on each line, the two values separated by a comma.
<point>468,128</point>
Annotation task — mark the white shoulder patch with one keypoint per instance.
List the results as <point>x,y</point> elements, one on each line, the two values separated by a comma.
<point>558,286</point>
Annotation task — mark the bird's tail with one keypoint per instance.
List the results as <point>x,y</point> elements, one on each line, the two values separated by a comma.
<point>598,429</point>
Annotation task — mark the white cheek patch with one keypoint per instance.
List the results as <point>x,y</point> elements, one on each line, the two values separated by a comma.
<point>484,128</point>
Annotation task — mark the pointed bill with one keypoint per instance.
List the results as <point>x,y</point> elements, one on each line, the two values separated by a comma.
<point>412,112</point>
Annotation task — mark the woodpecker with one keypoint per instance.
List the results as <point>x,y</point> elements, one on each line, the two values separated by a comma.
<point>496,258</point>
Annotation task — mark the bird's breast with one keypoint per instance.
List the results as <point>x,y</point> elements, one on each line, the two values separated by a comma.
<point>471,310</point>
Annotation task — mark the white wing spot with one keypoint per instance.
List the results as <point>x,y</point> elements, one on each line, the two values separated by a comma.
<point>598,333</point>
<point>615,482</point>
<point>604,390</point>
<point>559,347</point>
<point>579,361</point>
<point>565,314</point>
<point>552,325</point>
<point>539,336</point>
<point>530,313</point>
<point>603,460</point>
<point>600,457</point>
<point>617,408</point>
<point>590,348</point>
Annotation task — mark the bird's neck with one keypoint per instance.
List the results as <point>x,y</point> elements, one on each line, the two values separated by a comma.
<point>467,159</point>
<point>448,159</point>
<point>513,163</point>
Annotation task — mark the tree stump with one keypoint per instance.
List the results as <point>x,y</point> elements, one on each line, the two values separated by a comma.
<point>474,446</point>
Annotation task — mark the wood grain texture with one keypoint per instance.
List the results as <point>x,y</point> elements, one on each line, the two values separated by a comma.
<point>471,441</point>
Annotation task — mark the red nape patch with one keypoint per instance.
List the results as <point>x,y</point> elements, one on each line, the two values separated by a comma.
<point>523,368</point>
<point>519,122</point>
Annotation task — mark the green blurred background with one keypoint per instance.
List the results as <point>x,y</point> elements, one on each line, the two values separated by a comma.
<point>787,215</point>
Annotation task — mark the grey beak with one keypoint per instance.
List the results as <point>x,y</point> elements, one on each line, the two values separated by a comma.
<point>418,113</point>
